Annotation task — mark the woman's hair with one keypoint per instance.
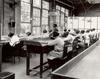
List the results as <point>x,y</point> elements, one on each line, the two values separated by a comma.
<point>28,33</point>
<point>82,31</point>
<point>55,34</point>
<point>77,31</point>
<point>10,34</point>
<point>54,25</point>
<point>65,30</point>
<point>87,31</point>
<point>44,31</point>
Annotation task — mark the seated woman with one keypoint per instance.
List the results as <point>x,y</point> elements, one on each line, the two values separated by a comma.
<point>14,39</point>
<point>71,36</point>
<point>45,34</point>
<point>58,44</point>
<point>55,29</point>
<point>11,45</point>
<point>65,34</point>
<point>87,38</point>
<point>72,39</point>
<point>26,34</point>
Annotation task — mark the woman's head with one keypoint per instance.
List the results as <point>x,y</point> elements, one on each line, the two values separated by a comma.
<point>54,25</point>
<point>55,34</point>
<point>72,32</point>
<point>28,33</point>
<point>10,34</point>
<point>82,31</point>
<point>65,30</point>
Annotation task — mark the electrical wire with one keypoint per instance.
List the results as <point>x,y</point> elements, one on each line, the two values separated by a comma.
<point>83,6</point>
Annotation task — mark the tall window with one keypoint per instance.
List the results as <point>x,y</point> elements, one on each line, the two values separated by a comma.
<point>70,22</point>
<point>98,24</point>
<point>36,21</point>
<point>87,23</point>
<point>25,15</point>
<point>94,21</point>
<point>75,23</point>
<point>35,12</point>
<point>36,16</point>
<point>62,17</point>
<point>45,15</point>
<point>66,18</point>
<point>81,22</point>
<point>37,3</point>
<point>58,15</point>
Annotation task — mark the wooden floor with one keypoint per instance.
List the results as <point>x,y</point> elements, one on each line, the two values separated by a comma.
<point>19,68</point>
<point>88,67</point>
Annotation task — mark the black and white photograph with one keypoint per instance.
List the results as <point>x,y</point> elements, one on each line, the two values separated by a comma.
<point>49,39</point>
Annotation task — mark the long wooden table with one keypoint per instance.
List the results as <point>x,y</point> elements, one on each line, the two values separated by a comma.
<point>38,47</point>
<point>77,68</point>
<point>36,43</point>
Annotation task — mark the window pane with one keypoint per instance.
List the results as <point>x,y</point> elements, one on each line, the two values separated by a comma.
<point>36,12</point>
<point>70,23</point>
<point>24,27</point>
<point>87,22</point>
<point>44,27</point>
<point>58,17</point>
<point>94,22</point>
<point>45,13</point>
<point>44,21</point>
<point>37,3</point>
<point>58,7</point>
<point>62,19</point>
<point>75,22</point>
<point>66,12</point>
<point>25,7</point>
<point>25,12</point>
<point>36,30</point>
<point>46,5</point>
<point>81,22</point>
<point>62,9</point>
<point>25,17</point>
<point>99,23</point>
<point>36,17</point>
<point>26,1</point>
<point>66,22</point>
<point>36,21</point>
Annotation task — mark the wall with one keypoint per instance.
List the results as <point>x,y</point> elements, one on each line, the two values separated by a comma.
<point>18,17</point>
<point>11,13</point>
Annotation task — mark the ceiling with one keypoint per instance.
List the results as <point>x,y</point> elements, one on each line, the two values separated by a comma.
<point>77,6</point>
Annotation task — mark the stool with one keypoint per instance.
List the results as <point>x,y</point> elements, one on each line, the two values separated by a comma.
<point>7,75</point>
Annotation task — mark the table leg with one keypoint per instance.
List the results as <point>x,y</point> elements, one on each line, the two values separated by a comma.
<point>28,64</point>
<point>0,57</point>
<point>41,64</point>
<point>27,60</point>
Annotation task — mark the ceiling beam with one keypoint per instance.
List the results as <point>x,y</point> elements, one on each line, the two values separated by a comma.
<point>59,1</point>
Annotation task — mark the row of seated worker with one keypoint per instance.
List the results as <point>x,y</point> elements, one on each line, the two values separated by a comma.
<point>89,36</point>
<point>76,38</point>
